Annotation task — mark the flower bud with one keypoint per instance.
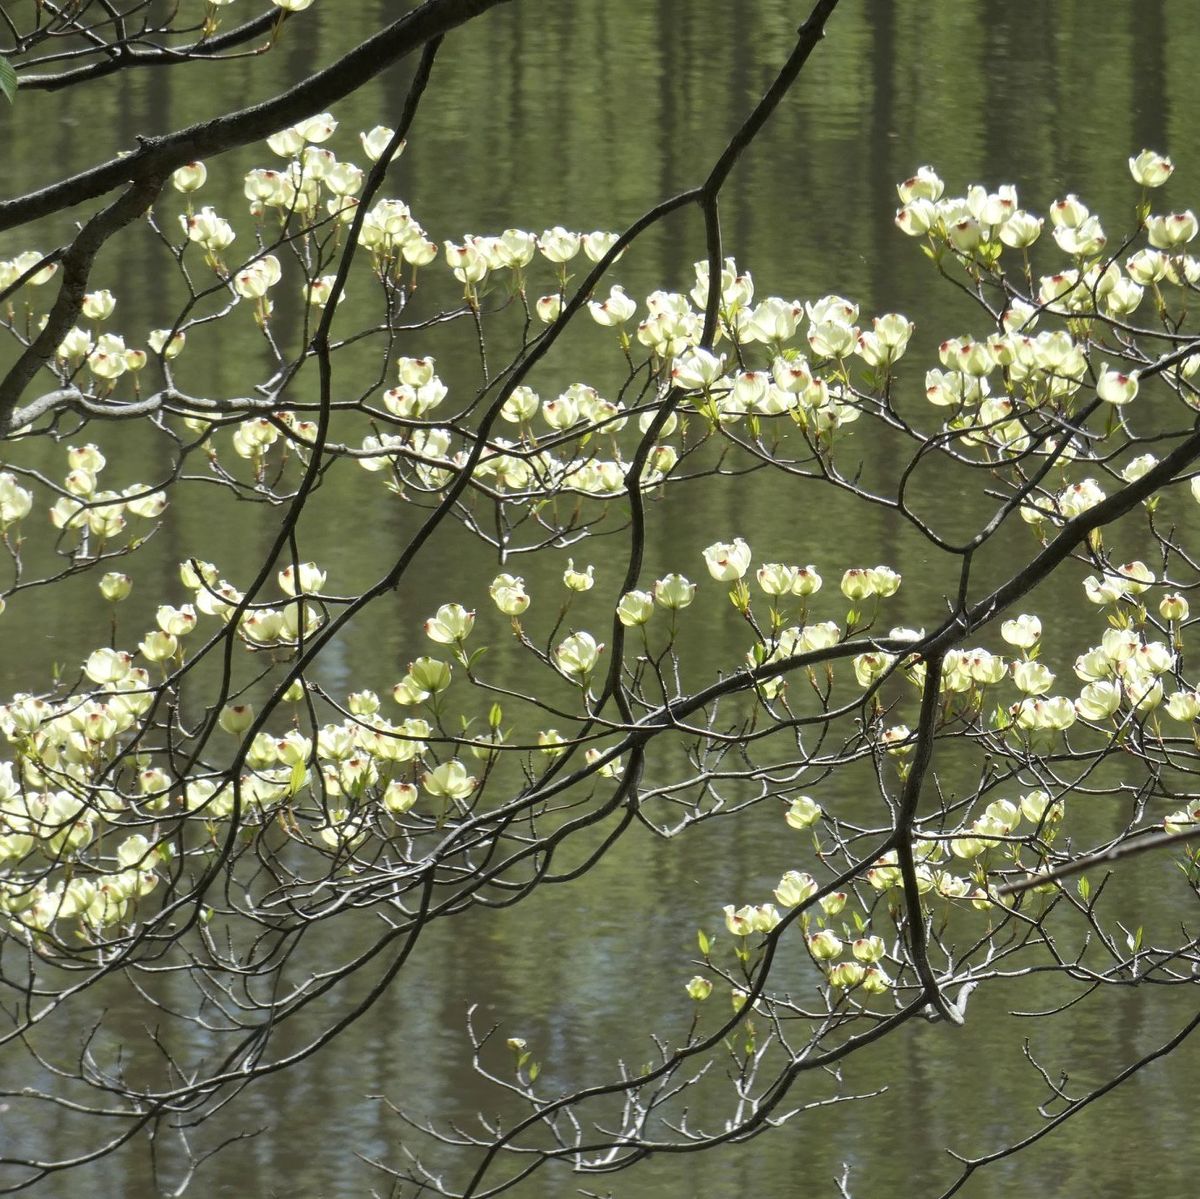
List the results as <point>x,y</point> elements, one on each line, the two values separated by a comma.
<point>1173,607</point>
<point>699,988</point>
<point>549,308</point>
<point>1171,231</point>
<point>558,245</point>
<point>1176,822</point>
<point>924,185</point>
<point>1098,701</point>
<point>766,917</point>
<point>1024,631</point>
<point>451,625</point>
<point>189,177</point>
<point>576,656</point>
<point>552,743</point>
<point>375,142</point>
<point>578,580</point>
<point>635,608</point>
<point>868,949</point>
<point>107,360</point>
<point>318,292</point>
<point>824,945</point>
<point>1115,387</point>
<point>966,847</point>
<point>616,310</point>
<point>319,128</point>
<point>868,668</point>
<point>794,888</point>
<point>508,594</point>
<point>162,342</point>
<point>27,261</point>
<point>1032,677</point>
<point>305,578</point>
<point>176,621</point>
<point>874,981</point>
<point>803,812</point>
<point>1184,706</point>
<point>362,703</point>
<point>1069,212</point>
<point>158,646</point>
<point>674,592</point>
<point>236,718</point>
<point>917,217</point>
<point>107,666</point>
<point>75,346</point>
<point>194,574</point>
<point>727,561</point>
<point>697,369</point>
<point>521,406</point>
<point>115,586</point>
<point>846,975</point>
<point>429,674</point>
<point>449,780</point>
<point>808,582</point>
<point>1147,267</point>
<point>965,235</point>
<point>884,581</point>
<point>1151,169</point>
<point>597,244</point>
<point>776,579</point>
<point>99,305</point>
<point>857,584</point>
<point>740,922</point>
<point>398,797</point>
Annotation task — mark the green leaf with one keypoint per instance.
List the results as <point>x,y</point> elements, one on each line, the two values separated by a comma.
<point>297,777</point>
<point>704,942</point>
<point>1084,888</point>
<point>8,80</point>
<point>534,1071</point>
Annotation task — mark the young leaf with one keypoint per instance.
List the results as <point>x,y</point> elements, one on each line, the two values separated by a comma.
<point>8,80</point>
<point>297,777</point>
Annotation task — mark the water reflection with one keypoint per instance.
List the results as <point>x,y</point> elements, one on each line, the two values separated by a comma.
<point>587,114</point>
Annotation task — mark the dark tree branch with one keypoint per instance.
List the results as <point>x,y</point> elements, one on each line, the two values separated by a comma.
<point>157,157</point>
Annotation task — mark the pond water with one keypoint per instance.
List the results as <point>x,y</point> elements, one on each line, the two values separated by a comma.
<point>587,114</point>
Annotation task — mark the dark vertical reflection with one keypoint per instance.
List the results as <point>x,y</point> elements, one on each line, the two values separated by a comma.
<point>1151,106</point>
<point>671,64</point>
<point>585,115</point>
<point>881,135</point>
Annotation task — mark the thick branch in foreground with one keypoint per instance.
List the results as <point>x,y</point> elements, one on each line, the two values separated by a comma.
<point>120,55</point>
<point>159,156</point>
<point>77,267</point>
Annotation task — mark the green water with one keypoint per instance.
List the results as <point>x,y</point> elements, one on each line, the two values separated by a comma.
<point>586,114</point>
